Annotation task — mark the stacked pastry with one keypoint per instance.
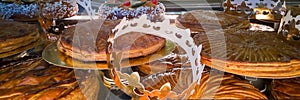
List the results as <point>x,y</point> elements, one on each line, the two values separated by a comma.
<point>217,86</point>
<point>33,79</point>
<point>17,37</point>
<point>286,88</point>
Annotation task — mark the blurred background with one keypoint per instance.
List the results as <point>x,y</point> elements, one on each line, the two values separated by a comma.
<point>183,5</point>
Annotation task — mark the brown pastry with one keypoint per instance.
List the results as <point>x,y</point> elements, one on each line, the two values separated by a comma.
<point>52,10</point>
<point>294,10</point>
<point>250,53</point>
<point>154,12</point>
<point>230,87</point>
<point>17,37</point>
<point>58,9</point>
<point>200,21</point>
<point>33,78</point>
<point>21,49</point>
<point>134,44</point>
<point>286,88</point>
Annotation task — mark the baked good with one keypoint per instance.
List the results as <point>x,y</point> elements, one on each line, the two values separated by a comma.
<point>250,53</point>
<point>201,21</point>
<point>17,37</point>
<point>14,35</point>
<point>137,44</point>
<point>33,78</point>
<point>294,10</point>
<point>25,10</point>
<point>286,88</point>
<point>58,9</point>
<point>44,11</point>
<point>133,44</point>
<point>230,87</point>
<point>75,63</point>
<point>52,10</point>
<point>154,10</point>
<point>217,86</point>
<point>166,63</point>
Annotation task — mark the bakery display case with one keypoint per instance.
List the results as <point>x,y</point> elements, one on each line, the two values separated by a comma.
<point>149,49</point>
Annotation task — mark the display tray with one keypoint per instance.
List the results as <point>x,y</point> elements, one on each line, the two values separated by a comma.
<point>53,56</point>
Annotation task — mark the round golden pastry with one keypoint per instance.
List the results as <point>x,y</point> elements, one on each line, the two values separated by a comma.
<point>201,21</point>
<point>218,86</point>
<point>92,46</point>
<point>250,53</point>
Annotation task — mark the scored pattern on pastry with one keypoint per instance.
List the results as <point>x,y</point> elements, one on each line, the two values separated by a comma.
<point>243,46</point>
<point>230,87</point>
<point>286,89</point>
<point>201,21</point>
<point>34,79</point>
<point>251,53</point>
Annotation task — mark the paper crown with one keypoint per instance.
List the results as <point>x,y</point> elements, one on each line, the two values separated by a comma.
<point>87,5</point>
<point>290,26</point>
<point>181,37</point>
<point>165,30</point>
